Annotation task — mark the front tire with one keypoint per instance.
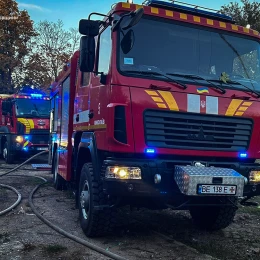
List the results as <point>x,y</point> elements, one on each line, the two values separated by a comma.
<point>214,218</point>
<point>6,154</point>
<point>93,222</point>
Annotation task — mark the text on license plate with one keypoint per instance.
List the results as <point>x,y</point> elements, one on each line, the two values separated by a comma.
<point>217,189</point>
<point>42,149</point>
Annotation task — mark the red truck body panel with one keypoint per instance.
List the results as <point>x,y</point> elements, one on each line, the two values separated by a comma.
<point>136,95</point>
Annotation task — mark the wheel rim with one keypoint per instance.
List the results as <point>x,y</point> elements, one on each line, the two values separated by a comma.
<point>85,200</point>
<point>5,153</point>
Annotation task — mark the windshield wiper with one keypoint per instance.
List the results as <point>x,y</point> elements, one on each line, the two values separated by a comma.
<point>158,74</point>
<point>36,109</point>
<point>193,76</point>
<point>229,82</point>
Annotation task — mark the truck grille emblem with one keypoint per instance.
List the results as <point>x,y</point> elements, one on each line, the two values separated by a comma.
<point>201,136</point>
<point>41,122</point>
<point>203,103</point>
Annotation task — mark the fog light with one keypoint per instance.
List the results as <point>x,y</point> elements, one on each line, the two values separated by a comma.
<point>254,177</point>
<point>124,173</point>
<point>19,139</point>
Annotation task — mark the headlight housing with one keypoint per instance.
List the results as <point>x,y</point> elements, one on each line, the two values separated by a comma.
<point>123,173</point>
<point>254,177</point>
<point>19,139</point>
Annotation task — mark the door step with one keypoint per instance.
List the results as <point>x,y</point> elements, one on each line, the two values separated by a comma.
<point>41,166</point>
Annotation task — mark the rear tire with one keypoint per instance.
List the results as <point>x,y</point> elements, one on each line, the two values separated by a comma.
<point>93,222</point>
<point>58,181</point>
<point>214,218</point>
<point>6,154</point>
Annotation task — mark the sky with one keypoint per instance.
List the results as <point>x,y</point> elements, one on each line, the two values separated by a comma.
<point>71,11</point>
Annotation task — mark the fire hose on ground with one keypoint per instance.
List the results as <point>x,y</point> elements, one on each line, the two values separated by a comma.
<point>19,196</point>
<point>47,222</point>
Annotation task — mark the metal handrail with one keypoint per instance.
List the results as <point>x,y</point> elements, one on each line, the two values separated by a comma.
<point>187,4</point>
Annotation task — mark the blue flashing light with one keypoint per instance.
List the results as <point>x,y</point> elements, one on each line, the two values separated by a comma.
<point>243,155</point>
<point>25,149</point>
<point>193,10</point>
<point>36,95</point>
<point>150,150</point>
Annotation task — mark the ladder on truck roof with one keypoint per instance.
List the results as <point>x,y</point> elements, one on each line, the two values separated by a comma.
<point>189,8</point>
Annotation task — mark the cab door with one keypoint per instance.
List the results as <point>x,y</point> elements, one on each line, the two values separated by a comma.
<point>100,87</point>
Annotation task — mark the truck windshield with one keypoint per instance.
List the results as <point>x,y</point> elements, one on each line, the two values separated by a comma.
<point>178,49</point>
<point>30,108</point>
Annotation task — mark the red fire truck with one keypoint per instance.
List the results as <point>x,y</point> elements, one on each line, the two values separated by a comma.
<point>25,124</point>
<point>159,109</point>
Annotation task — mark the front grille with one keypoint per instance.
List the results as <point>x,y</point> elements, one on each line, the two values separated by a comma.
<point>176,130</point>
<point>39,136</point>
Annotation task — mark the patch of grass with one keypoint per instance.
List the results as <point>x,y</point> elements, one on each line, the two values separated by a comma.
<point>250,210</point>
<point>34,181</point>
<point>28,247</point>
<point>213,249</point>
<point>69,194</point>
<point>3,192</point>
<point>54,249</point>
<point>4,237</point>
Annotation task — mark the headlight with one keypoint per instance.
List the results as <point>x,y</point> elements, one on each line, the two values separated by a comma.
<point>254,177</point>
<point>19,139</point>
<point>123,173</point>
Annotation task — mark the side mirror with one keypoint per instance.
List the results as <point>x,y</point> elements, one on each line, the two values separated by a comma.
<point>135,18</point>
<point>87,54</point>
<point>88,27</point>
<point>127,42</point>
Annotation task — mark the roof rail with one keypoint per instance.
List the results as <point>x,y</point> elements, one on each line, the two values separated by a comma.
<point>189,8</point>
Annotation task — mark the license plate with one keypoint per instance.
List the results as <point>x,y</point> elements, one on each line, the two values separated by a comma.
<point>42,149</point>
<point>217,189</point>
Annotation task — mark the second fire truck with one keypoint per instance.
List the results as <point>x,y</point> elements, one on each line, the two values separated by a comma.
<point>24,124</point>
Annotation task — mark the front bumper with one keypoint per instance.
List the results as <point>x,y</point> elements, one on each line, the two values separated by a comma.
<point>26,146</point>
<point>169,187</point>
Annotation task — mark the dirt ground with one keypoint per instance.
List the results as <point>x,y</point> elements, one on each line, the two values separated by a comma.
<point>140,234</point>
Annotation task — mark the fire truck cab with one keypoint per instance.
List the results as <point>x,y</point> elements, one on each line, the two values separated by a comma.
<point>24,125</point>
<point>159,109</point>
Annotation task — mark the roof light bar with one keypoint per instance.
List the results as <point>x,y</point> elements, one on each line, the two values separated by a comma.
<point>36,95</point>
<point>188,8</point>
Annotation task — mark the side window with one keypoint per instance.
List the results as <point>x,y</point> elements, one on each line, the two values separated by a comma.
<point>105,47</point>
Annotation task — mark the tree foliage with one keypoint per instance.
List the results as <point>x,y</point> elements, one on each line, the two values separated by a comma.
<point>31,55</point>
<point>16,30</point>
<point>244,13</point>
<point>51,49</point>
